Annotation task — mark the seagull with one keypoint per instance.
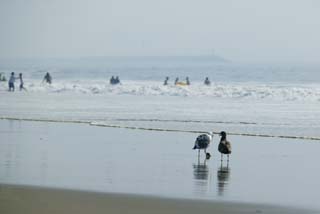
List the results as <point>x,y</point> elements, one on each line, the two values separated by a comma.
<point>202,142</point>
<point>224,145</point>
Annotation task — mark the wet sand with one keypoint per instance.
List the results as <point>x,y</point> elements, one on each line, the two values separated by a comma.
<point>21,199</point>
<point>100,169</point>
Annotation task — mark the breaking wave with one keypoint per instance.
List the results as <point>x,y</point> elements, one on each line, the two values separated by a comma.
<point>301,92</point>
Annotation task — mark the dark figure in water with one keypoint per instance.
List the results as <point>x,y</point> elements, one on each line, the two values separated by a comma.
<point>11,82</point>
<point>207,81</point>
<point>176,81</point>
<point>166,81</point>
<point>21,82</point>
<point>112,80</point>
<point>47,78</point>
<point>224,145</point>
<point>187,81</point>
<point>117,80</point>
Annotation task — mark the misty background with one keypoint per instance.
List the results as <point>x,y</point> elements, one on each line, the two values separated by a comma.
<point>241,31</point>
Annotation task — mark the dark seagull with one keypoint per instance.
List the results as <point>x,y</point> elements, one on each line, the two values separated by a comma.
<point>202,142</point>
<point>224,145</point>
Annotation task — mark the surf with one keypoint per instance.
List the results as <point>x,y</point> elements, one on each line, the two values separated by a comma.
<point>145,128</point>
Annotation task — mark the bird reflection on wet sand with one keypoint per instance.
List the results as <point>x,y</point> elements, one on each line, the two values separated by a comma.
<point>201,175</point>
<point>223,175</point>
<point>200,170</point>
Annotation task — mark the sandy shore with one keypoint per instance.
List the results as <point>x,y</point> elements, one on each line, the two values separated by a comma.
<point>135,171</point>
<point>23,199</point>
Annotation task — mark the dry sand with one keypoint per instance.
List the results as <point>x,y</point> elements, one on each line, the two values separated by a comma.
<point>25,200</point>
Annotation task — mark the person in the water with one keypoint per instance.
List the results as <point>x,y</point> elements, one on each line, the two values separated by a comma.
<point>117,80</point>
<point>47,78</point>
<point>207,81</point>
<point>176,81</point>
<point>11,82</point>
<point>166,81</point>
<point>21,83</point>
<point>114,81</point>
<point>187,81</point>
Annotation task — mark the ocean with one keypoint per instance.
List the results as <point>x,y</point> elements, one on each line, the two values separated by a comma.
<point>275,100</point>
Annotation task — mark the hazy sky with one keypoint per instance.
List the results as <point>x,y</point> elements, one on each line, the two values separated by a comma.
<point>240,30</point>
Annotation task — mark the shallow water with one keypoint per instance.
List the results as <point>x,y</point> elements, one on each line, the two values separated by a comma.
<point>79,156</point>
<point>165,112</point>
<point>274,100</point>
<point>144,76</point>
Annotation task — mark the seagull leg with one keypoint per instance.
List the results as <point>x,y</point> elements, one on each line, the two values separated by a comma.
<point>198,153</point>
<point>228,158</point>
<point>221,157</point>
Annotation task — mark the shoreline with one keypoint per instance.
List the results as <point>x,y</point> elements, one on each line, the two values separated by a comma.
<point>31,199</point>
<point>97,124</point>
<point>76,158</point>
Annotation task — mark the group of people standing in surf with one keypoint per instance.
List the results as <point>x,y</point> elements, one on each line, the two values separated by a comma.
<point>11,83</point>
<point>186,82</point>
<point>113,81</point>
<point>116,80</point>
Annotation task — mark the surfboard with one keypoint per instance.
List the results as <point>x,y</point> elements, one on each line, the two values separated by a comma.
<point>181,83</point>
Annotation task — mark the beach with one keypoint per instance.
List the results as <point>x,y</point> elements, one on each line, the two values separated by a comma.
<point>90,167</point>
<point>43,200</point>
<point>125,106</point>
<point>128,147</point>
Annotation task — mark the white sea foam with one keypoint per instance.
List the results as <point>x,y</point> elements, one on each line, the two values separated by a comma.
<point>253,91</point>
<point>189,113</point>
<point>245,99</point>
